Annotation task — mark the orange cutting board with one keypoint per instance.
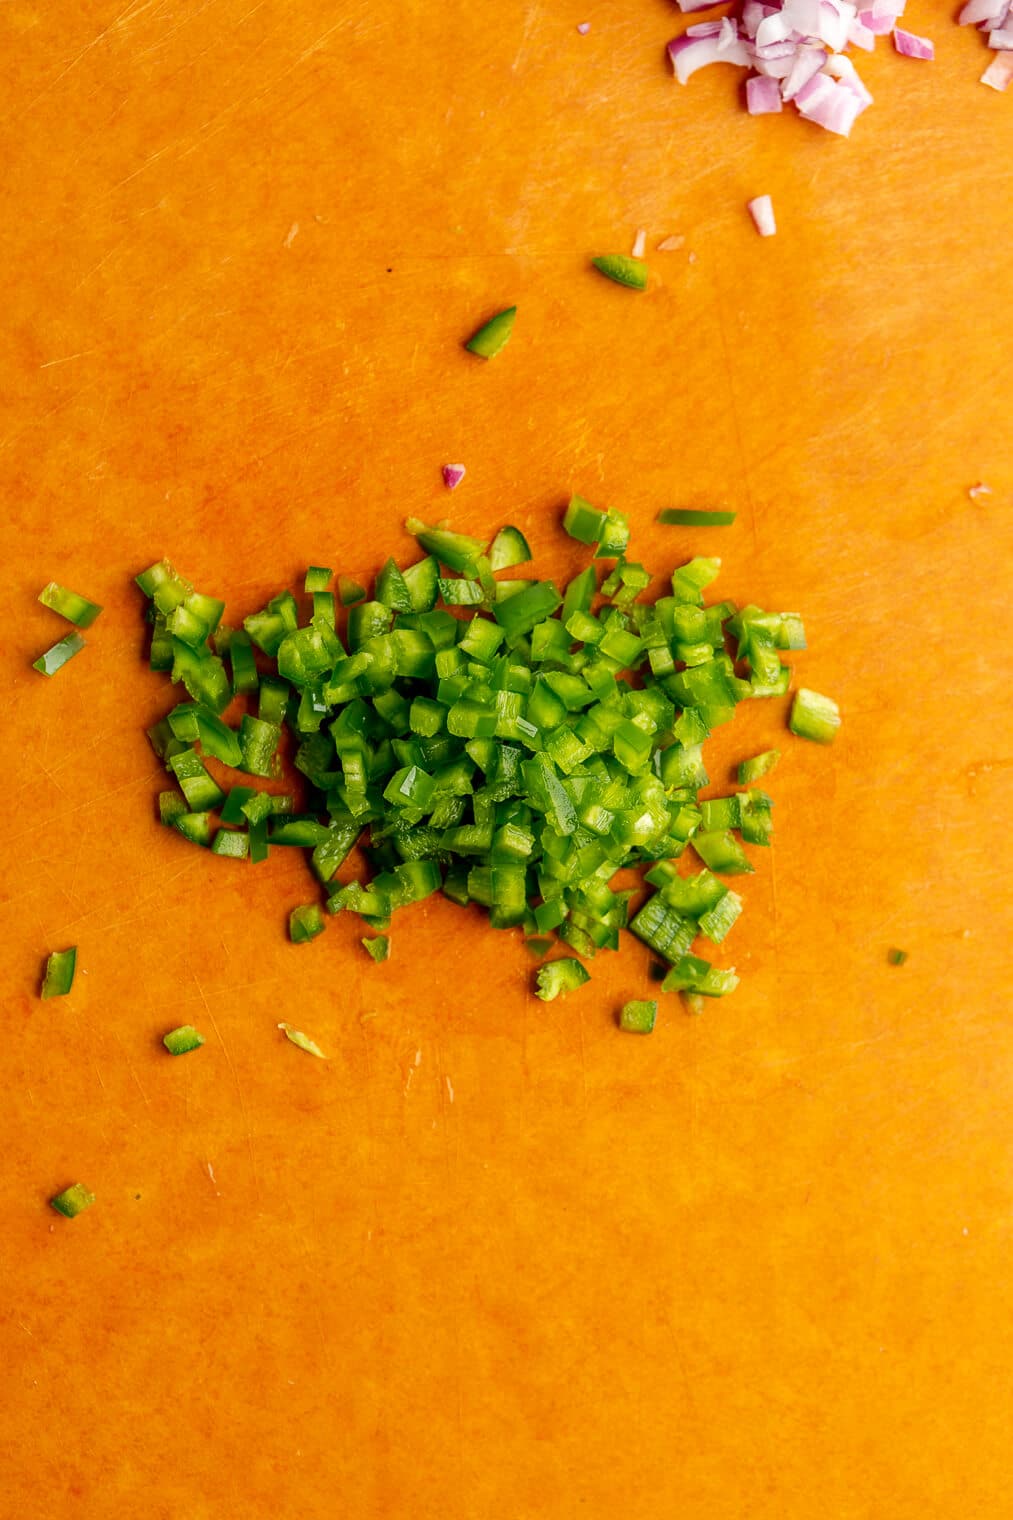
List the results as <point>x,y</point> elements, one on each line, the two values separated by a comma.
<point>493,1258</point>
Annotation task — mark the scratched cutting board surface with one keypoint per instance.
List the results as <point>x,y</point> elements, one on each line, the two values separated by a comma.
<point>493,1258</point>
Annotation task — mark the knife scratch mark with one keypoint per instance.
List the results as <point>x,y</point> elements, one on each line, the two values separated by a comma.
<point>216,124</point>
<point>531,19</point>
<point>235,1077</point>
<point>133,1073</point>
<point>67,358</point>
<point>119,21</point>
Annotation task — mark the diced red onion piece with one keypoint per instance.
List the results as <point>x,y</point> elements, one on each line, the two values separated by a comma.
<point>763,96</point>
<point>836,17</point>
<point>981,489</point>
<point>773,53</point>
<point>691,53</point>
<point>702,29</point>
<point>860,36</point>
<point>999,72</point>
<point>453,474</point>
<point>1001,39</point>
<point>728,34</point>
<point>804,17</point>
<point>808,61</point>
<point>761,209</point>
<point>583,27</point>
<point>776,28</point>
<point>976,11</point>
<point>753,12</point>
<point>830,105</point>
<point>841,67</point>
<point>696,5</point>
<point>879,26</point>
<point>639,244</point>
<point>910,46</point>
<point>776,68</point>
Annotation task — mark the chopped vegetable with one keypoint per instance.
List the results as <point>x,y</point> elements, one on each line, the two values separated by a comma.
<point>639,243</point>
<point>517,751</point>
<point>814,716</point>
<point>798,52</point>
<point>493,336</point>
<point>75,608</point>
<point>349,591</point>
<point>688,517</point>
<point>302,1040</point>
<point>897,957</point>
<point>910,46</point>
<point>622,269</point>
<point>73,1200</point>
<point>995,19</point>
<point>453,474</point>
<point>508,548</point>
<point>59,973</point>
<point>306,921</point>
<point>560,977</point>
<point>763,96</point>
<point>761,209</point>
<point>179,1041</point>
<point>232,844</point>
<point>999,72</point>
<point>583,27</point>
<point>638,1016</point>
<point>57,656</point>
<point>318,578</point>
<point>759,765</point>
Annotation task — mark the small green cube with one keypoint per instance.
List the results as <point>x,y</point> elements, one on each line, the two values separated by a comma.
<point>638,1017</point>
<point>178,1041</point>
<point>814,716</point>
<point>73,1200</point>
<point>305,923</point>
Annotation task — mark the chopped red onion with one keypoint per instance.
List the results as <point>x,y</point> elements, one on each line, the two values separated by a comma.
<point>697,5</point>
<point>999,72</point>
<point>910,46</point>
<point>775,28</point>
<point>842,68</point>
<point>639,243</point>
<point>807,62</point>
<point>761,209</point>
<point>728,34</point>
<point>691,53</point>
<point>453,474</point>
<point>977,11</point>
<point>797,50</point>
<point>774,52</point>
<point>981,489</point>
<point>583,27</point>
<point>753,12</point>
<point>829,104</point>
<point>762,95</point>
<point>860,36</point>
